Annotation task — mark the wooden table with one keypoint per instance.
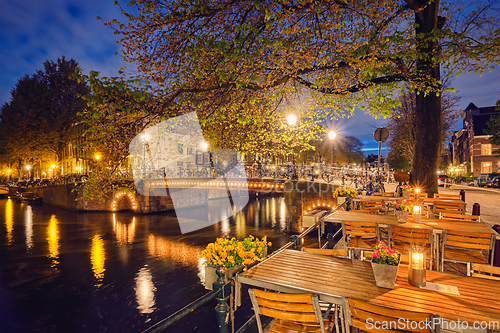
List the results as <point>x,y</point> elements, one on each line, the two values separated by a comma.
<point>334,278</point>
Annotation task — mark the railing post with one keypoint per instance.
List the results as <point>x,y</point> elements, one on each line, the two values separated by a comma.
<point>476,209</point>
<point>222,309</point>
<point>296,242</point>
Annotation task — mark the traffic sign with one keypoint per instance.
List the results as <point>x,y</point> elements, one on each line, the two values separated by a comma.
<point>381,134</point>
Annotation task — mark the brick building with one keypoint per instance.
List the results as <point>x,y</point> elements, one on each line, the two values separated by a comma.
<point>471,144</point>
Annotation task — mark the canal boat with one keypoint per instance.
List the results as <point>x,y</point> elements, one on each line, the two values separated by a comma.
<point>30,198</point>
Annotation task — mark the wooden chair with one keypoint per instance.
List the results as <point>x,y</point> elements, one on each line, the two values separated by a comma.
<point>460,217</point>
<point>447,196</point>
<point>360,236</point>
<point>383,194</point>
<point>375,206</point>
<point>466,247</point>
<point>362,315</point>
<point>292,312</point>
<point>448,207</point>
<point>421,195</point>
<point>327,252</point>
<point>400,238</point>
<point>485,271</point>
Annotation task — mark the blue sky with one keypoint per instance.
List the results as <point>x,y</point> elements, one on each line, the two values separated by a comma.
<point>32,31</point>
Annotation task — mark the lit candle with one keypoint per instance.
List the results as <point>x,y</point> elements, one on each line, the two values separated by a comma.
<point>417,214</point>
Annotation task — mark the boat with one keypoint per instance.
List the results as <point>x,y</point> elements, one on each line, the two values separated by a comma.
<point>30,198</point>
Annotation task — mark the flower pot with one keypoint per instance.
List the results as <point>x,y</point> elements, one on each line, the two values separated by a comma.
<point>211,274</point>
<point>341,200</point>
<point>402,215</point>
<point>406,194</point>
<point>385,275</point>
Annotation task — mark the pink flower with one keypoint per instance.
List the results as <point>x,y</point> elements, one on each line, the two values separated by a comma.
<point>376,253</point>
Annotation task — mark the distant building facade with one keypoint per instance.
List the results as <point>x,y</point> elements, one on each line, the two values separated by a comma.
<point>471,144</point>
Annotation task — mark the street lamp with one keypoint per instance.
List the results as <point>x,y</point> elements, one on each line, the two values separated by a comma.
<point>332,135</point>
<point>291,121</point>
<point>28,167</point>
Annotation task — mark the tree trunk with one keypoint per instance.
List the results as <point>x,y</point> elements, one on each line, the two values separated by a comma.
<point>429,119</point>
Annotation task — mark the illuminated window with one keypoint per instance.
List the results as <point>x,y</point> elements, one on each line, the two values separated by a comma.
<point>486,149</point>
<point>486,167</point>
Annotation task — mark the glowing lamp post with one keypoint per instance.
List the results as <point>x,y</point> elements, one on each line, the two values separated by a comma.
<point>331,136</point>
<point>28,168</point>
<point>416,267</point>
<point>291,121</point>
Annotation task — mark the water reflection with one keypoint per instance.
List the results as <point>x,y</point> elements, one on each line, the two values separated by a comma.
<point>28,227</point>
<point>97,256</point>
<point>53,239</point>
<point>145,291</point>
<point>9,219</point>
<point>241,227</point>
<point>283,215</point>
<point>125,233</point>
<point>166,249</point>
<point>226,228</point>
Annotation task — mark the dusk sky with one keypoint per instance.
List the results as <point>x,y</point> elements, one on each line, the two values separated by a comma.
<point>34,31</point>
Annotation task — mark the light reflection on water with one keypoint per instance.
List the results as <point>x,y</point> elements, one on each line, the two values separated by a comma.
<point>9,220</point>
<point>97,258</point>
<point>145,291</point>
<point>53,240</point>
<point>124,233</point>
<point>28,227</point>
<point>174,250</point>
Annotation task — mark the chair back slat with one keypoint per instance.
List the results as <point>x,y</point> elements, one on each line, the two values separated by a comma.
<point>362,311</point>
<point>460,217</point>
<point>403,234</point>
<point>384,194</point>
<point>360,229</point>
<point>470,246</point>
<point>290,308</point>
<point>447,196</point>
<point>468,240</point>
<point>484,271</point>
<point>485,268</point>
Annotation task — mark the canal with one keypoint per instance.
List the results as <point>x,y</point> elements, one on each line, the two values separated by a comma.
<point>64,271</point>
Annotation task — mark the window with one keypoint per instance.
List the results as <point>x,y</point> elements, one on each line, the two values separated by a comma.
<point>486,149</point>
<point>486,167</point>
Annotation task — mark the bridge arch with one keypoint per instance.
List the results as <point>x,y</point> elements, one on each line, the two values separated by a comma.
<point>124,201</point>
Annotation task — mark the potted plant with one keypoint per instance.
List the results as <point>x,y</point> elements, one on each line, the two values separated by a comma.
<point>233,254</point>
<point>385,263</point>
<point>406,191</point>
<point>402,209</point>
<point>344,192</point>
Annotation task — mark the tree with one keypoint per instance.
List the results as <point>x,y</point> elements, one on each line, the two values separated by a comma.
<point>212,55</point>
<point>39,119</point>
<point>402,126</point>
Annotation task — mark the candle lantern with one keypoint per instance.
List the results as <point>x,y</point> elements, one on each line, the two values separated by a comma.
<point>416,268</point>
<point>417,213</point>
<point>417,194</point>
